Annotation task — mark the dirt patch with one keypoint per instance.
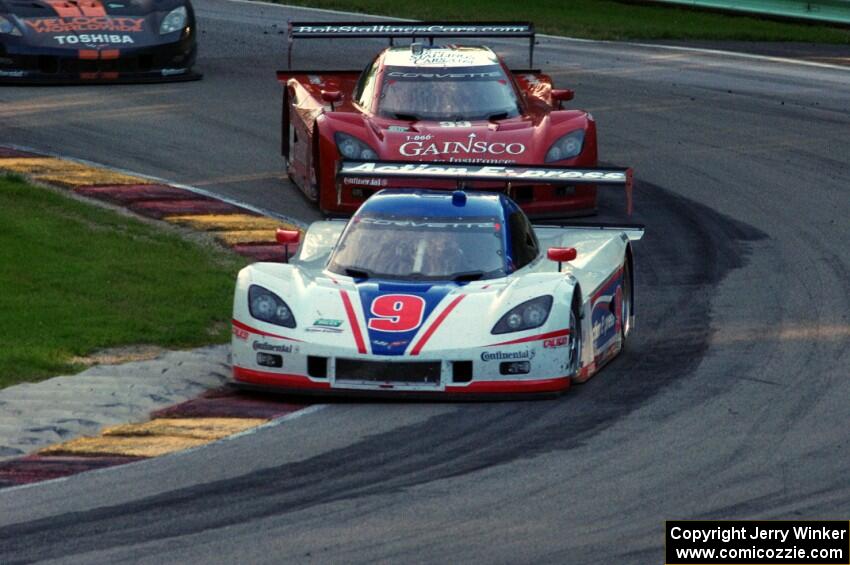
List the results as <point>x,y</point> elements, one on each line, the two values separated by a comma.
<point>116,355</point>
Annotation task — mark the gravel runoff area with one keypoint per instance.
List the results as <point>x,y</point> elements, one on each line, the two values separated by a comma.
<point>36,415</point>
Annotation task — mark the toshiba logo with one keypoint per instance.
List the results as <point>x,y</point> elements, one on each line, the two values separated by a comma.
<point>87,39</point>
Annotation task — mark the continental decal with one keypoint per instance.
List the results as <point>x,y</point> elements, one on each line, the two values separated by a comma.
<point>82,23</point>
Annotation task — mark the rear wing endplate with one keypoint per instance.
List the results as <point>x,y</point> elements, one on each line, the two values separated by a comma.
<point>393,30</point>
<point>462,173</point>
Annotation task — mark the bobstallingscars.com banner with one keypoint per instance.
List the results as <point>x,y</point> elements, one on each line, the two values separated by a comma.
<point>757,543</point>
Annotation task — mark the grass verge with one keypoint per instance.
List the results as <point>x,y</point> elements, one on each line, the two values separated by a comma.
<point>598,19</point>
<point>75,278</point>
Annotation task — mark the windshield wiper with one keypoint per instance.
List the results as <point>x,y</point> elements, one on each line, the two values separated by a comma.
<point>467,276</point>
<point>497,116</point>
<point>406,117</point>
<point>357,273</point>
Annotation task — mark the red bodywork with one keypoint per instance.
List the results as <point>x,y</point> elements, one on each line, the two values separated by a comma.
<point>310,122</point>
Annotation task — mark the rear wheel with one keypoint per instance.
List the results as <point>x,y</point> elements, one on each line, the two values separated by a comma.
<point>626,304</point>
<point>575,341</point>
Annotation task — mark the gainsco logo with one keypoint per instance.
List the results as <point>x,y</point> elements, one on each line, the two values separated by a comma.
<point>555,342</point>
<point>469,147</point>
<point>64,25</point>
<point>397,313</point>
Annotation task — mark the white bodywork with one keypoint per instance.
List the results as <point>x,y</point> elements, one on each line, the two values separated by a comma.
<point>458,329</point>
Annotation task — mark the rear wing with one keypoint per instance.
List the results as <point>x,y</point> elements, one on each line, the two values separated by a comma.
<point>633,231</point>
<point>463,173</point>
<point>413,30</point>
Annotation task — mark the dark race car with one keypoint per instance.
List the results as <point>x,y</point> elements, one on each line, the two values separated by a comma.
<point>423,102</point>
<point>68,41</point>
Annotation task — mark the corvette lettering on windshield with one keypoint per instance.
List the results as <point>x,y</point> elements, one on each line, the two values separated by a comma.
<point>435,225</point>
<point>443,75</point>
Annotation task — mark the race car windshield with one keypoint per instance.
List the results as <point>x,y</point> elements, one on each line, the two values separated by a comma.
<point>447,94</point>
<point>402,248</point>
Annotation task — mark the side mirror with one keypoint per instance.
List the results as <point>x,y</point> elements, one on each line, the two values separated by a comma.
<point>561,254</point>
<point>331,97</point>
<point>562,95</point>
<point>287,238</point>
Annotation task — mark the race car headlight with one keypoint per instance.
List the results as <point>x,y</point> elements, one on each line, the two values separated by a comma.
<point>267,306</point>
<point>530,314</point>
<point>566,147</point>
<point>8,28</point>
<point>352,148</point>
<point>175,20</point>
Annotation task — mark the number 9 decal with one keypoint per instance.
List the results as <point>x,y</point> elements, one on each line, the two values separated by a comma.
<point>397,313</point>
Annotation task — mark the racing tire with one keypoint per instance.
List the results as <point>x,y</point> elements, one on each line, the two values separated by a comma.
<point>625,305</point>
<point>575,340</point>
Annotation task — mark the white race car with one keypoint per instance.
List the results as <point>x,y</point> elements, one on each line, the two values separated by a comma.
<point>438,293</point>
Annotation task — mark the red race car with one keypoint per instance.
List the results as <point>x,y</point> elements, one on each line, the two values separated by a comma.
<point>424,102</point>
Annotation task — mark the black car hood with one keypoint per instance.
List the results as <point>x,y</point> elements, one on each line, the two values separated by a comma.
<point>91,24</point>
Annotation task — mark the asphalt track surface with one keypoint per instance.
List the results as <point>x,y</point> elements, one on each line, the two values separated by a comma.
<point>730,402</point>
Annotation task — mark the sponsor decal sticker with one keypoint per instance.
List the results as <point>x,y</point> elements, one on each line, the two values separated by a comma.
<point>441,57</point>
<point>483,172</point>
<point>326,326</point>
<point>601,327</point>
<point>365,182</point>
<point>507,355</point>
<point>64,25</point>
<point>87,39</point>
<point>398,343</point>
<point>264,346</point>
<point>469,147</point>
<point>554,342</point>
<point>240,333</point>
<point>411,29</point>
<point>172,72</point>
